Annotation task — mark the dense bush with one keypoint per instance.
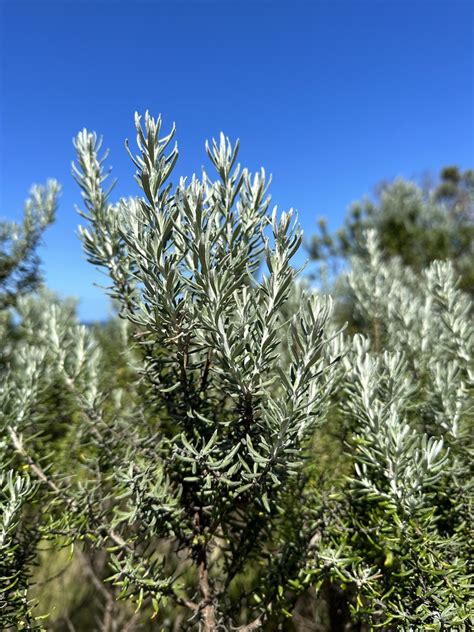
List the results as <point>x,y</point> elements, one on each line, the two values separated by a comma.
<point>223,456</point>
<point>418,224</point>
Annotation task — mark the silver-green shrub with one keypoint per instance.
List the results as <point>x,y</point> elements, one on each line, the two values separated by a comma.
<point>50,370</point>
<point>19,263</point>
<point>246,451</point>
<point>202,273</point>
<point>400,542</point>
<point>20,367</point>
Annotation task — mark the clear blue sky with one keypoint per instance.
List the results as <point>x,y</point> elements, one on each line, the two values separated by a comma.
<point>330,97</point>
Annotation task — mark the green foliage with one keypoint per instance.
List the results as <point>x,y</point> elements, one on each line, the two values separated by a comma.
<point>203,274</point>
<point>37,429</point>
<point>402,544</point>
<point>19,263</point>
<point>17,550</point>
<point>222,455</point>
<point>19,371</point>
<point>419,226</point>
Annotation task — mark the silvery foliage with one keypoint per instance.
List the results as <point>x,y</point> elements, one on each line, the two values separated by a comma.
<point>403,211</point>
<point>407,552</point>
<point>202,274</point>
<point>15,491</point>
<point>49,349</point>
<point>18,242</point>
<point>18,274</point>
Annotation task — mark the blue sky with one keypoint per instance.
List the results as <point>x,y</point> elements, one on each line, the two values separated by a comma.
<point>330,97</point>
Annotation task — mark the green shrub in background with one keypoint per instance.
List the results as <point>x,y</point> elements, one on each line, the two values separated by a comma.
<point>223,456</point>
<point>418,224</point>
<point>19,274</point>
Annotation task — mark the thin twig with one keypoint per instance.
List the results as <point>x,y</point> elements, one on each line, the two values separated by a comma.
<point>69,624</point>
